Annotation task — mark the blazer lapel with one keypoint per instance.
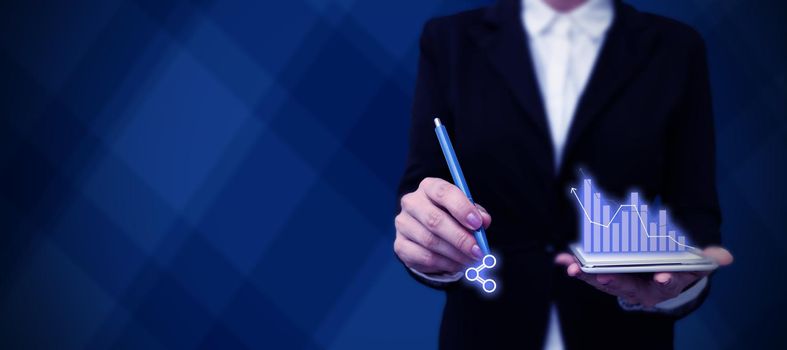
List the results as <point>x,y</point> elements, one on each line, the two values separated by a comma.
<point>505,44</point>
<point>624,53</point>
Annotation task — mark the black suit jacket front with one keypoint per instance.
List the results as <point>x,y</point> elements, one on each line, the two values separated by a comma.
<point>643,122</point>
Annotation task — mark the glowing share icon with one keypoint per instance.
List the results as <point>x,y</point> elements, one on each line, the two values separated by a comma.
<point>473,274</point>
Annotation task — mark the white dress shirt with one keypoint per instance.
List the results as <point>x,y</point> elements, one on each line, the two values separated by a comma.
<point>564,47</point>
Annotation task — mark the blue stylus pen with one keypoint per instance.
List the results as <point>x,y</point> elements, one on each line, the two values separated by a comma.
<point>459,178</point>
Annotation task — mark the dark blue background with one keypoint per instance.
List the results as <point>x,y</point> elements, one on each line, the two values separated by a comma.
<point>217,173</point>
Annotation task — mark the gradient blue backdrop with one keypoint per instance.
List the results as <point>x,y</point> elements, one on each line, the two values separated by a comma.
<point>184,174</point>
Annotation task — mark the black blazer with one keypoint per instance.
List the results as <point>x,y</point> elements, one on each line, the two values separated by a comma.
<point>644,121</point>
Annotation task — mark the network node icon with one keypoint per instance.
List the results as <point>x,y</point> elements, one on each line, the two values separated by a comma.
<point>473,274</point>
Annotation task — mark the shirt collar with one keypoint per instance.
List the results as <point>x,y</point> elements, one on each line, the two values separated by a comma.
<point>593,17</point>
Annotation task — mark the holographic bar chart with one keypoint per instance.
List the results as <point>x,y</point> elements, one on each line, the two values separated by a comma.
<point>632,227</point>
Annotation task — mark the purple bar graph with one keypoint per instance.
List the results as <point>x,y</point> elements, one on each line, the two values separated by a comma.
<point>605,239</point>
<point>587,241</point>
<point>643,228</point>
<point>615,237</point>
<point>634,222</point>
<point>624,232</point>
<point>652,229</point>
<point>610,227</point>
<point>662,230</point>
<point>597,219</point>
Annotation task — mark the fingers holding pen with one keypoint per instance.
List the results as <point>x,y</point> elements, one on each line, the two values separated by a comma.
<point>414,231</point>
<point>448,196</point>
<point>440,223</point>
<point>423,260</point>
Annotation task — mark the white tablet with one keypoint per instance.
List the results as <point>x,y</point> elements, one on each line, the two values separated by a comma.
<point>641,262</point>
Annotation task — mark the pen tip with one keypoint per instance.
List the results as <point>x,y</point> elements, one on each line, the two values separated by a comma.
<point>436,121</point>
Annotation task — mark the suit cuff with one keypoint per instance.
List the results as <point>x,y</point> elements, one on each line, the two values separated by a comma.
<point>670,305</point>
<point>441,278</point>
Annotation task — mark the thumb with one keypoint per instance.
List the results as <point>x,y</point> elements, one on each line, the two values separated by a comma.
<point>721,256</point>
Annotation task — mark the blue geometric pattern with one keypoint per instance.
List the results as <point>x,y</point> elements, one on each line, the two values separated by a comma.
<point>222,174</point>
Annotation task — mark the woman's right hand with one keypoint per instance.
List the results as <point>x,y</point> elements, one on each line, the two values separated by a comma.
<point>434,230</point>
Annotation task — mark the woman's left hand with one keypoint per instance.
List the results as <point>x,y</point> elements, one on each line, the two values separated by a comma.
<point>636,290</point>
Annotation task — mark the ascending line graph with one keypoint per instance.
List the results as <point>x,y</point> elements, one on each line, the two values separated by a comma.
<point>602,233</point>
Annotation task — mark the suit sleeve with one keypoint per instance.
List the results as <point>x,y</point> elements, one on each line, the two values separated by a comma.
<point>690,174</point>
<point>424,157</point>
